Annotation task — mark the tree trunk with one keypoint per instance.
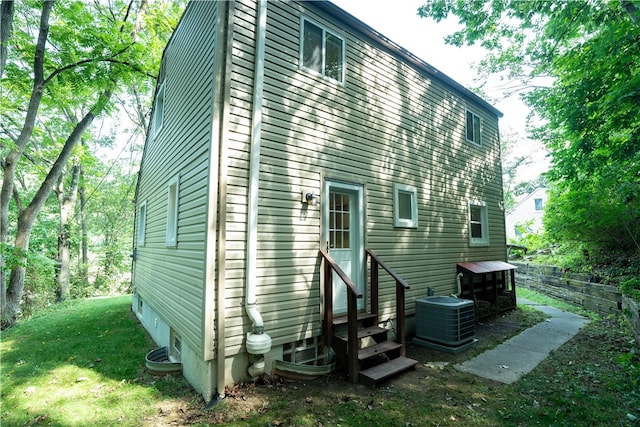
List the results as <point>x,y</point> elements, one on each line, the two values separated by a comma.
<point>10,309</point>
<point>8,306</point>
<point>6,25</point>
<point>84,255</point>
<point>67,203</point>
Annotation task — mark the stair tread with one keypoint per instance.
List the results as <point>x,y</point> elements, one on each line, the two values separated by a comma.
<point>364,332</point>
<point>376,349</point>
<point>386,370</point>
<point>343,320</point>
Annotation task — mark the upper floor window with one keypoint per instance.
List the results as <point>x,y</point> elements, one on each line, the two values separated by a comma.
<point>158,111</point>
<point>405,206</point>
<point>538,204</point>
<point>478,224</point>
<point>322,51</point>
<point>473,128</point>
<point>173,194</point>
<point>158,107</point>
<point>142,223</point>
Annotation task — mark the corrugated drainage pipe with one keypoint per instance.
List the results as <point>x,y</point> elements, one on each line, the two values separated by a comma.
<point>158,362</point>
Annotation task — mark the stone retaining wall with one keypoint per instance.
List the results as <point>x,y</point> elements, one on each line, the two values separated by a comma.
<point>578,289</point>
<point>631,310</point>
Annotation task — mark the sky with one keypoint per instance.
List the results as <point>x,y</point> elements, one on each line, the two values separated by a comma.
<point>399,21</point>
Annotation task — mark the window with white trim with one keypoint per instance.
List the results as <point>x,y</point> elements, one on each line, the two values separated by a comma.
<point>173,193</point>
<point>142,223</point>
<point>473,128</point>
<point>478,224</point>
<point>321,51</point>
<point>405,206</point>
<point>158,111</point>
<point>537,204</point>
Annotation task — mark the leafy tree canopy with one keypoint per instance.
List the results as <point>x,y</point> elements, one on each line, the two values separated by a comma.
<point>587,54</point>
<point>62,64</point>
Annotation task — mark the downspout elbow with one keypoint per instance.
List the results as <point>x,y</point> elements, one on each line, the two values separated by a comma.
<point>459,283</point>
<point>256,318</point>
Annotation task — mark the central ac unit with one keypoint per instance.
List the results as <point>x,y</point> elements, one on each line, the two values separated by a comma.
<point>445,320</point>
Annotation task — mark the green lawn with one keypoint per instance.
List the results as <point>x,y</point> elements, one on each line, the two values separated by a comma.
<point>81,363</point>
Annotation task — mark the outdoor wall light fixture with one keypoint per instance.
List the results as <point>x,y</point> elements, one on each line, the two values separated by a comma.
<point>310,198</point>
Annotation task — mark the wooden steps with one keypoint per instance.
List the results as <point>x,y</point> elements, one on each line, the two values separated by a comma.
<point>370,331</point>
<point>386,370</point>
<point>381,348</point>
<point>367,356</point>
<point>366,319</point>
<point>378,359</point>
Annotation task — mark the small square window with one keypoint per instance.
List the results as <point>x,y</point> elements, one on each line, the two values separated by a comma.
<point>141,223</point>
<point>473,128</point>
<point>405,206</point>
<point>173,193</point>
<point>321,51</point>
<point>478,224</point>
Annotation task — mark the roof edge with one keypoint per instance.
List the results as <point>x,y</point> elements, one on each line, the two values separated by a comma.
<point>336,12</point>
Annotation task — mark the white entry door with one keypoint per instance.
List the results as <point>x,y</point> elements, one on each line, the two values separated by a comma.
<point>344,237</point>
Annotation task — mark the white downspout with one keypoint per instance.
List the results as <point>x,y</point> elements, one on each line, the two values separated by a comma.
<point>459,283</point>
<point>257,342</point>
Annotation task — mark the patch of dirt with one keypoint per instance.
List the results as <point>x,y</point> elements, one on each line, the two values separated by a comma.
<point>243,401</point>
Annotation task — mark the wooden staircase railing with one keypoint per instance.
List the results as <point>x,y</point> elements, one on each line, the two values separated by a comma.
<point>353,353</point>
<point>352,311</point>
<point>401,287</point>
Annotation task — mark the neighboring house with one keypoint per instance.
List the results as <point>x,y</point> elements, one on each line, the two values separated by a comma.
<point>526,215</point>
<point>283,128</point>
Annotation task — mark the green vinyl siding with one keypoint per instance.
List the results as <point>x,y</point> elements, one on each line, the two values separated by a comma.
<point>171,279</point>
<point>389,123</point>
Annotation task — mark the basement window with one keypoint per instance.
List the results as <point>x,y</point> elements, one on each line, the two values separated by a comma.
<point>301,352</point>
<point>175,347</point>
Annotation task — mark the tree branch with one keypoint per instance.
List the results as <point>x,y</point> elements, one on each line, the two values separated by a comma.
<point>110,59</point>
<point>10,163</point>
<point>56,170</point>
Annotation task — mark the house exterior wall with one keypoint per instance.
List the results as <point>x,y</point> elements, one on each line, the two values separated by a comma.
<point>387,124</point>
<point>390,122</point>
<point>170,279</point>
<point>525,212</point>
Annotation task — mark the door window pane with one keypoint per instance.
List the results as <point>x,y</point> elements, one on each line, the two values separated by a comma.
<point>339,237</point>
